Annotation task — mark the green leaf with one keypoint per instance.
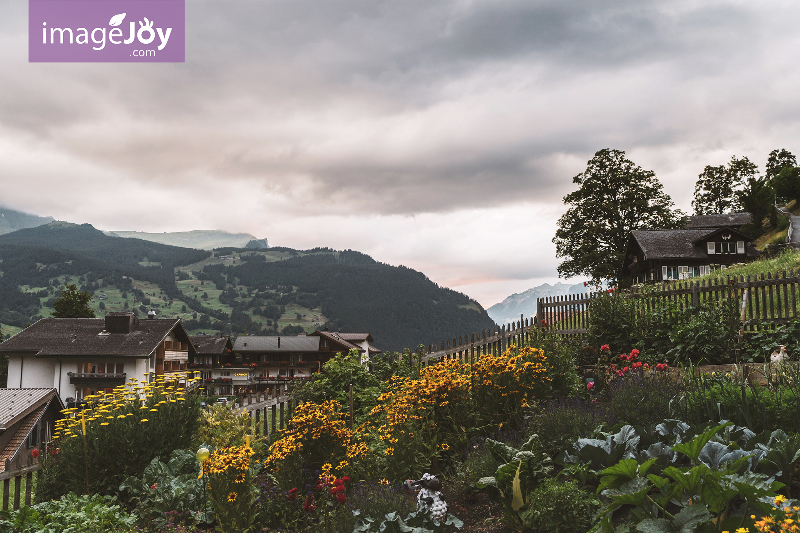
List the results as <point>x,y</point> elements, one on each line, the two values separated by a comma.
<point>655,525</point>
<point>693,448</point>
<point>687,520</point>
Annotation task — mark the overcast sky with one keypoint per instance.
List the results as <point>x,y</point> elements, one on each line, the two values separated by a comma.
<point>440,135</point>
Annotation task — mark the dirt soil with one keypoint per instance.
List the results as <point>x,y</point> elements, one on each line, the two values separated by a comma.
<point>473,510</point>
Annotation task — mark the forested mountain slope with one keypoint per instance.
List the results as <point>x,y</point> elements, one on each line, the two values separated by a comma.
<point>270,291</point>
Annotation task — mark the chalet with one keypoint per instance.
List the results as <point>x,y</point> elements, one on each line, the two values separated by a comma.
<point>260,359</point>
<point>695,250</point>
<point>81,356</point>
<point>214,360</point>
<point>27,419</point>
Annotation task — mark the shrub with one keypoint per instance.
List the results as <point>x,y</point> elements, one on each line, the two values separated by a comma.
<point>561,506</point>
<point>125,430</point>
<point>476,462</point>
<point>706,333</point>
<point>230,484</point>
<point>224,427</point>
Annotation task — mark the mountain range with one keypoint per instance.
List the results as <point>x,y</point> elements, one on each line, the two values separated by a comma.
<point>266,291</point>
<point>524,303</point>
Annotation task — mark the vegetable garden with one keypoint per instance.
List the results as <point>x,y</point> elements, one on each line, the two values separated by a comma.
<point>614,432</point>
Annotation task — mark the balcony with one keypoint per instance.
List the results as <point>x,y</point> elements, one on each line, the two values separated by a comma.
<point>96,379</point>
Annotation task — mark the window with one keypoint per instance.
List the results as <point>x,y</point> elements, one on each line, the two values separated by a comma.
<point>34,436</point>
<point>739,247</point>
<point>670,272</point>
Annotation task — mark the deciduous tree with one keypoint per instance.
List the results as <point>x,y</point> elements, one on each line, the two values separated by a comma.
<point>778,160</point>
<point>717,188</point>
<point>73,303</point>
<point>615,197</point>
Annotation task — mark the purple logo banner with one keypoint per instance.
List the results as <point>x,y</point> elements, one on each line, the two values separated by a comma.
<point>120,31</point>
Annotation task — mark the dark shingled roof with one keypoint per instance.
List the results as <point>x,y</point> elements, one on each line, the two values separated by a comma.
<point>68,337</point>
<point>678,243</point>
<point>210,344</point>
<point>254,343</point>
<point>360,337</point>
<point>716,220</point>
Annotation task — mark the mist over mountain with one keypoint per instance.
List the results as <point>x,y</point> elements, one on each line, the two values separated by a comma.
<point>200,239</point>
<point>12,220</point>
<point>524,303</point>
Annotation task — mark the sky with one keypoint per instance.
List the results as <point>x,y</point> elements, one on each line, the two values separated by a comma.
<point>437,135</point>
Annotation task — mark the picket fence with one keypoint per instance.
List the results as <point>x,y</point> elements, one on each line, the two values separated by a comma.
<point>765,300</point>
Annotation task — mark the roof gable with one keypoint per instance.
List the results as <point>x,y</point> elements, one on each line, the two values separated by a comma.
<point>16,404</point>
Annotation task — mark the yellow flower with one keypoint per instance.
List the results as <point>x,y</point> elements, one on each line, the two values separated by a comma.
<point>232,497</point>
<point>384,481</point>
<point>144,420</point>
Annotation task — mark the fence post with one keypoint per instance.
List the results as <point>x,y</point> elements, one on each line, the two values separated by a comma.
<point>28,484</point>
<point>695,295</point>
<point>282,404</point>
<point>274,416</point>
<point>17,490</point>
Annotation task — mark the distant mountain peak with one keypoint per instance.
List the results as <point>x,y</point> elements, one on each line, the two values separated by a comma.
<point>524,303</point>
<point>12,220</point>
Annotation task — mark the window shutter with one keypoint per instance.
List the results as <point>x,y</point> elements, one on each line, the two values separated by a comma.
<point>739,247</point>
<point>664,273</point>
<point>710,247</point>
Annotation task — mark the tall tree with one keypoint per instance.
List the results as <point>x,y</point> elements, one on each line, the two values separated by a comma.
<point>757,198</point>
<point>717,188</point>
<point>73,303</point>
<point>615,197</point>
<point>778,160</point>
<point>787,185</point>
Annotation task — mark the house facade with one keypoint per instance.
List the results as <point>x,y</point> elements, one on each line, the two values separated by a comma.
<point>82,356</point>
<point>260,361</point>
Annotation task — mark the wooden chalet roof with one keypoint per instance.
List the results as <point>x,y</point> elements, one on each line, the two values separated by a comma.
<point>358,337</point>
<point>716,220</point>
<point>87,337</point>
<point>255,343</point>
<point>679,243</point>
<point>210,344</point>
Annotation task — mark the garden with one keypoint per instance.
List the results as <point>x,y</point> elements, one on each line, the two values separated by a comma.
<point>615,431</point>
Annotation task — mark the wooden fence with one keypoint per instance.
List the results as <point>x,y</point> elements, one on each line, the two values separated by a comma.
<point>269,410</point>
<point>21,472</point>
<point>765,300</point>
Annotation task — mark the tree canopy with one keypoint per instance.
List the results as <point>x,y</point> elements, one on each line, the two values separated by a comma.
<point>73,303</point>
<point>615,197</point>
<point>778,160</point>
<point>717,188</point>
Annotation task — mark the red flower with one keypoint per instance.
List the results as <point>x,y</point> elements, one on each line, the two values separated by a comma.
<point>544,323</point>
<point>605,348</point>
<point>341,498</point>
<point>620,373</point>
<point>623,357</point>
<point>334,490</point>
<point>662,366</point>
<point>637,364</point>
<point>35,453</point>
<point>309,505</point>
<point>626,369</point>
<point>585,283</point>
<point>613,366</point>
<point>154,486</point>
<point>341,489</point>
<point>634,353</point>
<point>346,479</point>
<point>590,385</point>
<point>292,494</point>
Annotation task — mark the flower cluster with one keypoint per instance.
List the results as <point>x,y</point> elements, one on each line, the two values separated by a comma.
<point>135,402</point>
<point>320,431</point>
<point>785,518</point>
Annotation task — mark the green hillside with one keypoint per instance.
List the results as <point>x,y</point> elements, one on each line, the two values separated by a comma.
<point>270,291</point>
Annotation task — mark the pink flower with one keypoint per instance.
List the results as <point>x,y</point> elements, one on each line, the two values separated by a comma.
<point>590,385</point>
<point>620,373</point>
<point>605,348</point>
